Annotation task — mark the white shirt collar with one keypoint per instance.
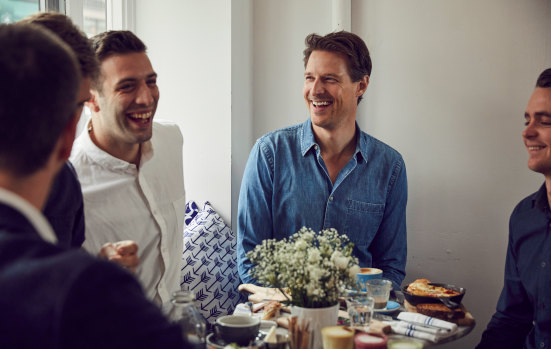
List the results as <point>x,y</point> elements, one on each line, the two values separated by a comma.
<point>35,217</point>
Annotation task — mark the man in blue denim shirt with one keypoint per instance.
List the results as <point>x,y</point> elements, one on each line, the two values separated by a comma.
<point>326,173</point>
<point>522,318</point>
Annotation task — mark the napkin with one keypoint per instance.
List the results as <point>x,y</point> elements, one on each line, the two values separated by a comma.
<point>422,327</point>
<point>427,321</point>
<point>432,330</point>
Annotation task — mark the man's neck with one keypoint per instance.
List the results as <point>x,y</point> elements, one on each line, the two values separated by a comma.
<point>336,146</point>
<point>127,152</point>
<point>335,142</point>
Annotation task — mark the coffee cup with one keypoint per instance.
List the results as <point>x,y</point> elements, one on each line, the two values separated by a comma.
<point>240,329</point>
<point>368,274</point>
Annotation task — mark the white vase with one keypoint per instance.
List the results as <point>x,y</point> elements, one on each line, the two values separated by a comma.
<point>318,318</point>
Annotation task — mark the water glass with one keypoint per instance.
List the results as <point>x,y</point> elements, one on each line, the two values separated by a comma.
<point>360,311</point>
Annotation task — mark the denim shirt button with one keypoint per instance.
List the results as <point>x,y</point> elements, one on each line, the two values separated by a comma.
<point>543,264</point>
<point>330,198</point>
<point>542,344</point>
<point>316,147</point>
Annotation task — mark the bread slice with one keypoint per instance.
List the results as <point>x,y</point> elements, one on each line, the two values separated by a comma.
<point>440,311</point>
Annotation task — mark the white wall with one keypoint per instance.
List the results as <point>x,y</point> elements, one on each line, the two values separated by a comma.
<point>189,44</point>
<point>242,95</point>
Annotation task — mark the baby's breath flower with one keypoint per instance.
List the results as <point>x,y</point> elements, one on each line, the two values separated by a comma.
<point>315,267</point>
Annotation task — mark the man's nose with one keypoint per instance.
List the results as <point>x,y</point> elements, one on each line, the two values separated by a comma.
<point>529,131</point>
<point>144,95</point>
<point>317,87</point>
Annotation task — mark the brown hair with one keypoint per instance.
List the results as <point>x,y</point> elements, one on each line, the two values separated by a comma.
<point>348,44</point>
<point>63,27</point>
<point>544,80</point>
<point>114,42</point>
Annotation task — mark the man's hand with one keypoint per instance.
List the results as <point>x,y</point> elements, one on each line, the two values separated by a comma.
<point>124,253</point>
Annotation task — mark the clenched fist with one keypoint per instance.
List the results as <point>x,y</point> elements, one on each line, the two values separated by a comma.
<point>124,253</point>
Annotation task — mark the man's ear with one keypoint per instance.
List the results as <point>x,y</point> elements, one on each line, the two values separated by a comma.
<point>362,86</point>
<point>67,138</point>
<point>92,103</point>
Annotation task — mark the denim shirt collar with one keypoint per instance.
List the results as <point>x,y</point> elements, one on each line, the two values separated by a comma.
<point>308,141</point>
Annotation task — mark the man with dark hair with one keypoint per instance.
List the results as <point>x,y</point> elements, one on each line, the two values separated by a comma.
<point>130,167</point>
<point>64,208</point>
<point>54,297</point>
<point>326,172</point>
<point>522,318</point>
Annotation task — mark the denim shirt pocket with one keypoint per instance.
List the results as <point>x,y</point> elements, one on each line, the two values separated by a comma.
<point>363,220</point>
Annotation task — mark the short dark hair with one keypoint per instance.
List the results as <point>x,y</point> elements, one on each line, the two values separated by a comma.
<point>348,44</point>
<point>544,80</point>
<point>40,81</point>
<point>63,27</point>
<point>114,42</point>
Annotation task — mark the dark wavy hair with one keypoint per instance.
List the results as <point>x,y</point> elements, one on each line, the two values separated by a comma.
<point>114,42</point>
<point>63,27</point>
<point>544,80</point>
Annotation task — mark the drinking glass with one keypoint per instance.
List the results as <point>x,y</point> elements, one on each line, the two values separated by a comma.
<point>360,311</point>
<point>379,289</point>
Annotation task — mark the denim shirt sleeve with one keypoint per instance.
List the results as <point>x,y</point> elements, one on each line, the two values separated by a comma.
<point>512,320</point>
<point>389,247</point>
<point>254,217</point>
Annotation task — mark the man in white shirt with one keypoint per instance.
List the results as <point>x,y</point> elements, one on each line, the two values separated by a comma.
<point>130,167</point>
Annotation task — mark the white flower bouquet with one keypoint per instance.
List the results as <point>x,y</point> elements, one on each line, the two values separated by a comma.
<point>313,268</point>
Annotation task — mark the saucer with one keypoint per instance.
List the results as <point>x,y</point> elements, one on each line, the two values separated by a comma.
<point>219,343</point>
<point>391,306</point>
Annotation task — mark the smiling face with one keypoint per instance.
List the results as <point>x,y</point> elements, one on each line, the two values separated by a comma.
<point>124,108</point>
<point>330,95</point>
<point>537,134</point>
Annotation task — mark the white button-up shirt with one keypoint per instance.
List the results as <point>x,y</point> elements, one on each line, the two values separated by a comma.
<point>146,205</point>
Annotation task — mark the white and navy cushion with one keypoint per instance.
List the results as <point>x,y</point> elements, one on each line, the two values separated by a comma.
<point>210,263</point>
<point>191,211</point>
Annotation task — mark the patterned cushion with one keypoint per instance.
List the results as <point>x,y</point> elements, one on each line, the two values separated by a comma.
<point>191,211</point>
<point>210,264</point>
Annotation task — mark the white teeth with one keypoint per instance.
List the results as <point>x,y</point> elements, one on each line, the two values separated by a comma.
<point>535,148</point>
<point>320,103</point>
<point>141,116</point>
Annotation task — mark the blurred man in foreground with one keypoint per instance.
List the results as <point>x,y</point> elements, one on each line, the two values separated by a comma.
<point>54,297</point>
<point>523,315</point>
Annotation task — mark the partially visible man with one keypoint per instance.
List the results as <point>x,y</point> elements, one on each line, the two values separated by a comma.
<point>130,167</point>
<point>54,297</point>
<point>64,208</point>
<point>326,172</point>
<point>523,316</point>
